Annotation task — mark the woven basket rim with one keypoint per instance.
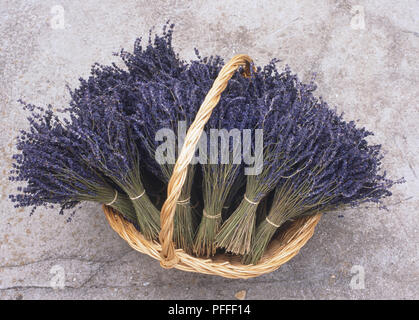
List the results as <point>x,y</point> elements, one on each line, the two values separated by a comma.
<point>282,249</point>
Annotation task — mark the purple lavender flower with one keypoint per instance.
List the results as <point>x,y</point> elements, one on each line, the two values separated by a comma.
<point>49,162</point>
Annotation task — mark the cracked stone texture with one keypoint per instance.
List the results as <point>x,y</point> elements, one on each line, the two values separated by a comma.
<point>370,74</point>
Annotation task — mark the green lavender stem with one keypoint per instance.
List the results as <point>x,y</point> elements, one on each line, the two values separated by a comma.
<point>184,223</point>
<point>148,217</point>
<point>205,239</point>
<point>289,203</point>
<point>217,186</point>
<point>104,193</point>
<point>237,232</point>
<point>264,234</point>
<point>124,206</point>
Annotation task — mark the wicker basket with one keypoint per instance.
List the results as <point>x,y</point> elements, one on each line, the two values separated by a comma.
<point>280,250</point>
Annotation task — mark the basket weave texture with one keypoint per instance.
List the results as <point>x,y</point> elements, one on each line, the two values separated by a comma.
<point>280,250</point>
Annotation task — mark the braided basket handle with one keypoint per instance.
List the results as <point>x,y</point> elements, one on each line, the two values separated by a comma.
<point>168,255</point>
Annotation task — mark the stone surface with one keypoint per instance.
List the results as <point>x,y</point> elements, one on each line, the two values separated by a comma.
<point>368,70</point>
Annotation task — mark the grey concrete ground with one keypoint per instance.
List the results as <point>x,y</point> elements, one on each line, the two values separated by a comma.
<point>365,54</point>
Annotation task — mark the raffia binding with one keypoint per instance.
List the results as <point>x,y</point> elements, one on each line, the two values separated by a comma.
<point>271,223</point>
<point>211,216</point>
<point>114,199</point>
<point>185,201</point>
<point>250,201</point>
<point>139,196</point>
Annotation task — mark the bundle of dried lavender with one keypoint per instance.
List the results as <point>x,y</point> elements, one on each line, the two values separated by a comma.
<point>49,162</point>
